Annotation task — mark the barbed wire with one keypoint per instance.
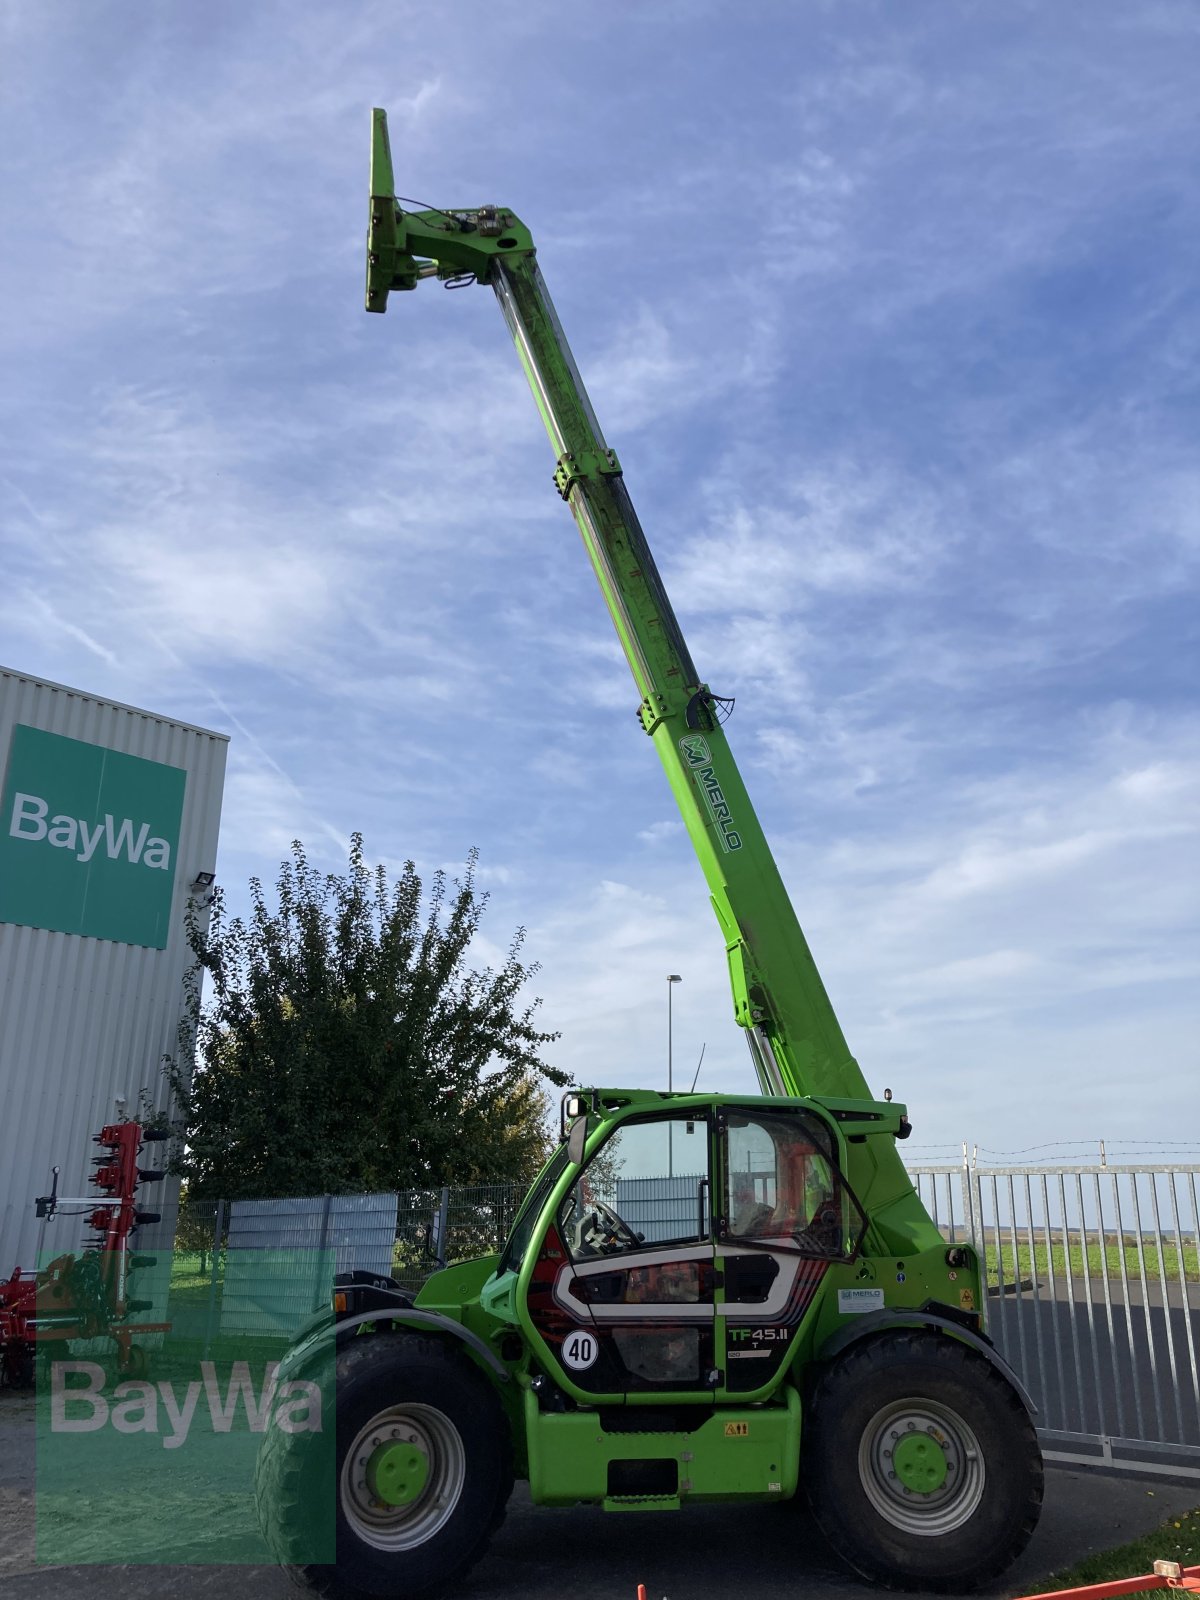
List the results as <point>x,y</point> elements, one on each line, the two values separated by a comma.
<point>1093,1144</point>
<point>1058,1144</point>
<point>1107,1151</point>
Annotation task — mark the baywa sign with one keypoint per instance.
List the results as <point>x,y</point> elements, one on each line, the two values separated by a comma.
<point>88,839</point>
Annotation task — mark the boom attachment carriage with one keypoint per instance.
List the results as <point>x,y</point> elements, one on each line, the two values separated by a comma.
<point>405,246</point>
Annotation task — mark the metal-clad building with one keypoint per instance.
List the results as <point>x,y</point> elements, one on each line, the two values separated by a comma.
<point>107,816</point>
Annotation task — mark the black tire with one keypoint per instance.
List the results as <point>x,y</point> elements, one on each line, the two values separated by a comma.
<point>20,1366</point>
<point>390,1382</point>
<point>972,1442</point>
<point>136,1363</point>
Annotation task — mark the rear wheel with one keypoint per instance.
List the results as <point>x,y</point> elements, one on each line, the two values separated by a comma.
<point>420,1473</point>
<point>921,1463</point>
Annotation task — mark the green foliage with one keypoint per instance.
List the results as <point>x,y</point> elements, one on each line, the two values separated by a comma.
<point>347,1045</point>
<point>194,1225</point>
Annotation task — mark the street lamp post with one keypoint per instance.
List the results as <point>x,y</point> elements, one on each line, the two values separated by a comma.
<point>672,979</point>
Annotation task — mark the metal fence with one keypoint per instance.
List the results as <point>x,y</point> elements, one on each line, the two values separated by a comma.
<point>434,1226</point>
<point>281,1255</point>
<point>660,1208</point>
<point>1093,1284</point>
<point>1094,1297</point>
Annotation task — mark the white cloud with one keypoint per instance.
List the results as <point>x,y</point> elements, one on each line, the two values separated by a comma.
<point>667,828</point>
<point>844,527</point>
<point>645,373</point>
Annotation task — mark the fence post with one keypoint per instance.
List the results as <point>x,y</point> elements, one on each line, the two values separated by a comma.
<point>443,1223</point>
<point>967,1208</point>
<point>319,1301</point>
<point>972,1198</point>
<point>218,1229</point>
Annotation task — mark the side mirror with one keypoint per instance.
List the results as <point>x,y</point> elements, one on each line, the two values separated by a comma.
<point>576,1139</point>
<point>573,1104</point>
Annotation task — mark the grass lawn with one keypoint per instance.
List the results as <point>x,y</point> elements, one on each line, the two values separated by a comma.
<point>1178,1539</point>
<point>1040,1261</point>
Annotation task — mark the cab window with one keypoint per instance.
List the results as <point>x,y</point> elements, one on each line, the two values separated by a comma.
<point>782,1184</point>
<point>647,1186</point>
<point>514,1250</point>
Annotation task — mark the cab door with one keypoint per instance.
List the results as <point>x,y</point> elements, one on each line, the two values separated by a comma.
<point>622,1293</point>
<point>784,1214</point>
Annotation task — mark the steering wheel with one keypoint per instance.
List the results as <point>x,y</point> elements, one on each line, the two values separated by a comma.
<point>824,1232</point>
<point>618,1229</point>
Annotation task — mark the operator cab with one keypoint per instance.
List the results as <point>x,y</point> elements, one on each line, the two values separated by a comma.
<point>681,1256</point>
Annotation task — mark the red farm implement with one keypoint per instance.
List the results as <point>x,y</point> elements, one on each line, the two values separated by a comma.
<point>86,1296</point>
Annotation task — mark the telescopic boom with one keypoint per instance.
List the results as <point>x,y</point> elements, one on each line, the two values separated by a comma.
<point>795,1038</point>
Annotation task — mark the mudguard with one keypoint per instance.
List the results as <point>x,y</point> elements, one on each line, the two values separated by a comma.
<point>883,1321</point>
<point>376,1299</point>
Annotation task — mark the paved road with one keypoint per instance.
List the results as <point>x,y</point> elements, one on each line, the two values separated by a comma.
<point>701,1553</point>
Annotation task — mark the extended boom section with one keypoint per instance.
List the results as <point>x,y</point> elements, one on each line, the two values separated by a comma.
<point>778,994</point>
<point>779,998</point>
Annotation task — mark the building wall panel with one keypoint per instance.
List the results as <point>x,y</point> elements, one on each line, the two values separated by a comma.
<point>85,1020</point>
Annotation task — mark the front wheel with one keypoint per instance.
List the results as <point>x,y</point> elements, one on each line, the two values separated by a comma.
<point>921,1462</point>
<point>420,1475</point>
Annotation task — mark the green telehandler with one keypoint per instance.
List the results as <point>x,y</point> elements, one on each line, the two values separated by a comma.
<point>704,1297</point>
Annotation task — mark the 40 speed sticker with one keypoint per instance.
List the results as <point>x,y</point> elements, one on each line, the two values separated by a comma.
<point>579,1351</point>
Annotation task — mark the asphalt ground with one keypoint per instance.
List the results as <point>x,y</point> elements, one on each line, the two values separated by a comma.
<point>700,1553</point>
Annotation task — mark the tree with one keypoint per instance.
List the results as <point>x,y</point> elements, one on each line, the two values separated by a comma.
<point>348,1046</point>
<point>195,1226</point>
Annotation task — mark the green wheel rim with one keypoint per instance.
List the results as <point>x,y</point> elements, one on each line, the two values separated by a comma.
<point>920,1462</point>
<point>397,1473</point>
<point>921,1467</point>
<point>402,1477</point>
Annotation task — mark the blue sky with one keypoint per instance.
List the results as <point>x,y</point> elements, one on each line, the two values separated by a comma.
<point>891,312</point>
